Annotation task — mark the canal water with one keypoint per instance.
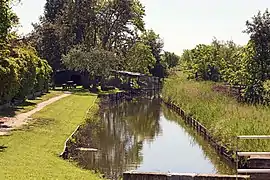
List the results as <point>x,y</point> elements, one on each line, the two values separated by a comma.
<point>146,136</point>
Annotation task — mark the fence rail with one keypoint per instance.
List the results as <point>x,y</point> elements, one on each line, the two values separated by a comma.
<point>249,154</point>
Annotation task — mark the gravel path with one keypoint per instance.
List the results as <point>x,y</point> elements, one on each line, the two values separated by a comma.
<point>23,118</point>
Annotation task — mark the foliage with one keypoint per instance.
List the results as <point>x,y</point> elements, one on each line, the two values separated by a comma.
<point>115,26</point>
<point>153,40</point>
<point>109,25</point>
<point>7,20</point>
<point>266,87</point>
<point>9,79</point>
<point>21,71</point>
<point>259,67</point>
<point>259,31</point>
<point>140,58</point>
<point>202,62</point>
<point>171,59</point>
<point>49,48</point>
<point>98,62</point>
<point>221,114</point>
<point>247,66</point>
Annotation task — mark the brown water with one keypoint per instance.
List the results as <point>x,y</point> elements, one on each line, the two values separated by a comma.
<point>145,136</point>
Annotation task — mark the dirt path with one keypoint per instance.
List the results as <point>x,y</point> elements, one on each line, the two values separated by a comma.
<point>21,119</point>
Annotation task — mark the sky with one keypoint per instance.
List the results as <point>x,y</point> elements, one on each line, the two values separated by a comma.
<point>182,24</point>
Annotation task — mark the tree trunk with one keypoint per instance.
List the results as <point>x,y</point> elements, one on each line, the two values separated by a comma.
<point>85,80</point>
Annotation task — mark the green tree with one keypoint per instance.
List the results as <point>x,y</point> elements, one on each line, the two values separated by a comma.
<point>259,31</point>
<point>153,40</point>
<point>110,25</point>
<point>171,59</point>
<point>47,42</point>
<point>7,20</point>
<point>259,65</point>
<point>140,58</point>
<point>52,9</point>
<point>94,64</point>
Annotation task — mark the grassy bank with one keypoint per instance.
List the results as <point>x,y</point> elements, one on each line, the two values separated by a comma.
<point>32,152</point>
<point>28,105</point>
<point>220,113</point>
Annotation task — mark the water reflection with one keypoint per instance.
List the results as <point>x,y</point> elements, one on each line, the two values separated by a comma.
<point>140,135</point>
<point>221,165</point>
<point>119,135</point>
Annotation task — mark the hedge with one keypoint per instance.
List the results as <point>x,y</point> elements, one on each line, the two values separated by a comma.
<point>22,73</point>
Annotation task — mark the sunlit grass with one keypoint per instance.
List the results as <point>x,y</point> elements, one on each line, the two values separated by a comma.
<point>221,114</point>
<point>32,152</point>
<point>28,105</point>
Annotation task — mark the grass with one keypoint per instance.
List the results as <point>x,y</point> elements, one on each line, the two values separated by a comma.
<point>28,105</point>
<point>32,152</point>
<point>80,89</point>
<point>220,113</point>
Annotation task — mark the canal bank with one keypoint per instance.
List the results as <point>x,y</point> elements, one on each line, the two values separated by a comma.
<point>32,151</point>
<point>139,135</point>
<point>219,118</point>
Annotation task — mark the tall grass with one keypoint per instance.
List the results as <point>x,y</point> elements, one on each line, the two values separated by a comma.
<point>221,114</point>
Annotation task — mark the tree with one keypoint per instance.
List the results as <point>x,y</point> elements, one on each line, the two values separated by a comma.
<point>171,59</point>
<point>47,42</point>
<point>153,40</point>
<point>8,19</point>
<point>259,31</point>
<point>140,58</point>
<point>259,64</point>
<point>94,64</point>
<point>52,9</point>
<point>119,20</point>
<point>110,25</point>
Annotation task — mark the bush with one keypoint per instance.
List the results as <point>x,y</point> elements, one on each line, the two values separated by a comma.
<point>9,79</point>
<point>266,87</point>
<point>22,72</point>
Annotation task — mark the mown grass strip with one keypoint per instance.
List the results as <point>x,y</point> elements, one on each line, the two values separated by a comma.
<point>32,152</point>
<point>221,114</point>
<point>28,105</point>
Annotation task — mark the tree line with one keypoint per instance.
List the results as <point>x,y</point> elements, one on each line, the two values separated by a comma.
<point>22,72</point>
<point>247,66</point>
<point>89,36</point>
<point>96,36</point>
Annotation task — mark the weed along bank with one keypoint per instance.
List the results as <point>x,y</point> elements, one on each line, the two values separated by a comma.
<point>227,125</point>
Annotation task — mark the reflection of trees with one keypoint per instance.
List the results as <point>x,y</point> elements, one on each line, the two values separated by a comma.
<point>119,136</point>
<point>221,166</point>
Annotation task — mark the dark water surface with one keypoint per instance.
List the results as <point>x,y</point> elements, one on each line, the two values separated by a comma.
<point>144,135</point>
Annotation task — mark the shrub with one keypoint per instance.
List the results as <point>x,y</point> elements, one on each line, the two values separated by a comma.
<point>22,72</point>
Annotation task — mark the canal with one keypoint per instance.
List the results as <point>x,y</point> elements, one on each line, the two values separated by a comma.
<point>146,136</point>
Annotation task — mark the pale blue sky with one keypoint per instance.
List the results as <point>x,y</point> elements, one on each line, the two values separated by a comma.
<point>182,24</point>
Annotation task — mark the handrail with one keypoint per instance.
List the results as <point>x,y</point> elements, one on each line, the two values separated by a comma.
<point>254,137</point>
<point>251,137</point>
<point>252,153</point>
<point>251,171</point>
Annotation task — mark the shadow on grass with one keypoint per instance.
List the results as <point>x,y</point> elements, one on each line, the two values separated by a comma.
<point>11,111</point>
<point>86,92</point>
<point>2,148</point>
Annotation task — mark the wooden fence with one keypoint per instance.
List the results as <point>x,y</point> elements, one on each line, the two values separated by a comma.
<point>203,131</point>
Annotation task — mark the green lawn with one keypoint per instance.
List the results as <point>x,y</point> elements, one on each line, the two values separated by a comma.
<point>28,105</point>
<point>220,113</point>
<point>32,152</point>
